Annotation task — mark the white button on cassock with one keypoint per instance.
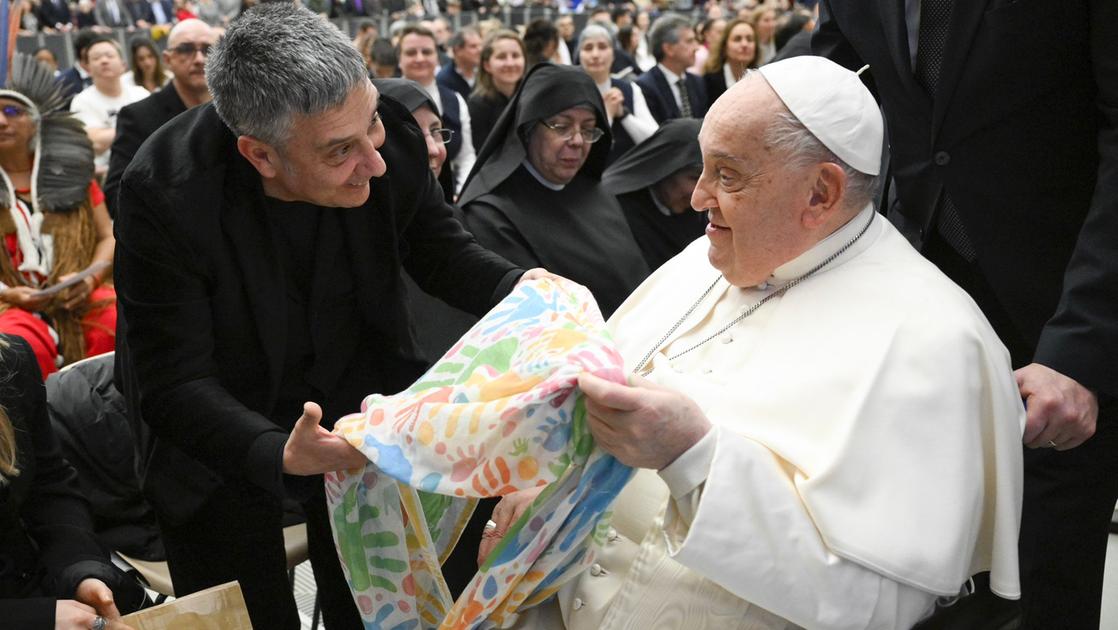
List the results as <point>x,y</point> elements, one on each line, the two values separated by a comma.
<point>596,569</point>
<point>577,603</point>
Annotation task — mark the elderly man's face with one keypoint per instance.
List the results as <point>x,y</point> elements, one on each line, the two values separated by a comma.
<point>186,54</point>
<point>330,157</point>
<point>755,200</point>
<point>557,149</point>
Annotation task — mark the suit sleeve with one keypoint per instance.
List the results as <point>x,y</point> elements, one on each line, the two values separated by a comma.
<point>128,138</point>
<point>447,262</point>
<point>1081,339</point>
<point>163,293</point>
<point>652,98</point>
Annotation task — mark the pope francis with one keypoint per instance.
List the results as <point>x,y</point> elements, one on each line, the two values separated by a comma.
<point>828,429</point>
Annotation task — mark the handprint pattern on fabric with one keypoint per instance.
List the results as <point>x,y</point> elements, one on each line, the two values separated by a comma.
<point>500,412</point>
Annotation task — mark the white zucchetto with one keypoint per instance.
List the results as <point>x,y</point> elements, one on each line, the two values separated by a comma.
<point>834,105</point>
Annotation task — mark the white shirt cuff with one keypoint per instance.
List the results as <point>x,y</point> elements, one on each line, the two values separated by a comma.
<point>690,469</point>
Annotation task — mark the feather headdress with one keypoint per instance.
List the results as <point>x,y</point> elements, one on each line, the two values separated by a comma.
<point>63,165</point>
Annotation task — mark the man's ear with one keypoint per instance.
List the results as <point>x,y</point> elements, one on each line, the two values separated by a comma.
<point>261,155</point>
<point>828,190</point>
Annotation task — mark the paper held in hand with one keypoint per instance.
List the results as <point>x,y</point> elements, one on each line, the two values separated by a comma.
<point>55,289</point>
<point>217,608</point>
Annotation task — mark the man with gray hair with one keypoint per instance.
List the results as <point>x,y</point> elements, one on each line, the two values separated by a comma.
<point>260,244</point>
<point>458,75</point>
<point>672,91</point>
<point>828,429</point>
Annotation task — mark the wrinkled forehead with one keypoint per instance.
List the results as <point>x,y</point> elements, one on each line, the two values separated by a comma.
<point>736,123</point>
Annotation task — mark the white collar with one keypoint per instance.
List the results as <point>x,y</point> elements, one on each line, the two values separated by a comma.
<point>672,77</point>
<point>432,90</point>
<point>826,248</point>
<point>540,178</point>
<point>728,74</point>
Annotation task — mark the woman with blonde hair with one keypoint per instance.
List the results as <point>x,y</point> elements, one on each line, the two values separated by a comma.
<point>498,76</point>
<point>733,55</point>
<point>764,28</point>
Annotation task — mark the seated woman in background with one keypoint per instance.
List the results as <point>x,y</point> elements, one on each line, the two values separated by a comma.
<point>631,122</point>
<point>733,55</point>
<point>498,75</point>
<point>535,198</point>
<point>54,574</point>
<point>147,68</point>
<point>54,224</point>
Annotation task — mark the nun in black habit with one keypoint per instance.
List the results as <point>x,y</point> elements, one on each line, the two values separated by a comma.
<point>535,197</point>
<point>412,96</point>
<point>437,324</point>
<point>653,183</point>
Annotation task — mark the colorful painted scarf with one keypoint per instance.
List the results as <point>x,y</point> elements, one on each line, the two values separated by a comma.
<point>500,412</point>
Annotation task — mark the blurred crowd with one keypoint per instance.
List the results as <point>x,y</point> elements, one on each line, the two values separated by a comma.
<point>568,143</point>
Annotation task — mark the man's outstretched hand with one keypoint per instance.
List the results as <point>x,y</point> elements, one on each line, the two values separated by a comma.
<point>312,450</point>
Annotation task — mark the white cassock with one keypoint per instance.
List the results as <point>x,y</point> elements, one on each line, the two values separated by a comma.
<point>866,455</point>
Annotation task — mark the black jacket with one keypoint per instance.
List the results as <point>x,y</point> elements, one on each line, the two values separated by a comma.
<point>449,77</point>
<point>53,13</point>
<point>661,99</point>
<point>47,546</point>
<point>88,415</point>
<point>1023,135</point>
<point>199,282</point>
<point>134,124</point>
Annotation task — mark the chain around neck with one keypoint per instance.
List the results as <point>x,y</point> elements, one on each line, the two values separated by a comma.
<point>642,365</point>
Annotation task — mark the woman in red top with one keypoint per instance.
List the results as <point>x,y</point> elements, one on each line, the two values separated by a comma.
<point>53,223</point>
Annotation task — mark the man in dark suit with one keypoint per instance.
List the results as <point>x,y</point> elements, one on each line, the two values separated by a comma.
<point>1004,141</point>
<point>55,14</point>
<point>261,240</point>
<point>669,89</point>
<point>112,14</point>
<point>458,75</point>
<point>185,56</point>
<point>152,12</point>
